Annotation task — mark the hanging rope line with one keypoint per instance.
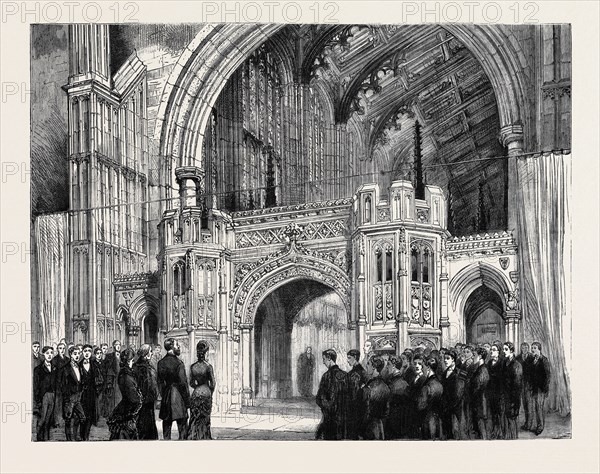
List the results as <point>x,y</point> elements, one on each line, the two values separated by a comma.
<point>406,168</point>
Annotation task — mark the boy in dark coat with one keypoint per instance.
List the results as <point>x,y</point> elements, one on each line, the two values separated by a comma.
<point>428,403</point>
<point>73,413</point>
<point>396,425</point>
<point>44,388</point>
<point>357,378</point>
<point>477,389</point>
<point>91,385</point>
<point>513,387</point>
<point>539,372</point>
<point>331,398</point>
<point>524,359</point>
<point>376,396</point>
<point>453,399</point>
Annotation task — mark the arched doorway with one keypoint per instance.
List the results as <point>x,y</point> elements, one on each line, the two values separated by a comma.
<point>150,333</point>
<point>302,313</point>
<point>483,316</point>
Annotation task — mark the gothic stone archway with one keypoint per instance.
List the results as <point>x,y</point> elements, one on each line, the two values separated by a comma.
<point>259,279</point>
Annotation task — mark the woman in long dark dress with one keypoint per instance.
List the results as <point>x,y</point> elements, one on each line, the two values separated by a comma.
<point>203,382</point>
<point>122,422</point>
<point>145,376</point>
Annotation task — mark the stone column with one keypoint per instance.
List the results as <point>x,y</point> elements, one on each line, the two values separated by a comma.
<point>402,296</point>
<point>361,286</point>
<point>192,343</point>
<point>224,352</point>
<point>512,324</point>
<point>247,399</point>
<point>511,137</point>
<point>444,297</point>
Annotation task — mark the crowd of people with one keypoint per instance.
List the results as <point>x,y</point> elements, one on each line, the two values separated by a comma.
<point>77,384</point>
<point>468,392</point>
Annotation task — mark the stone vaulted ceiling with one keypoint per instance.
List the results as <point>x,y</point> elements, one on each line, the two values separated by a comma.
<point>382,78</point>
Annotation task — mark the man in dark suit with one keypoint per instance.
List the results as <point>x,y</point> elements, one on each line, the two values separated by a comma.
<point>524,359</point>
<point>428,403</point>
<point>376,399</point>
<point>513,388</point>
<point>357,378</point>
<point>44,388</point>
<point>396,424</point>
<point>59,362</point>
<point>73,413</point>
<point>539,372</point>
<point>36,357</point>
<point>306,369</point>
<point>172,383</point>
<point>453,399</point>
<point>111,395</point>
<point>415,382</point>
<point>477,389</point>
<point>331,399</point>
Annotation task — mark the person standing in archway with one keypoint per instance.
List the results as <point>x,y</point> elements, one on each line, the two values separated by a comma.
<point>306,370</point>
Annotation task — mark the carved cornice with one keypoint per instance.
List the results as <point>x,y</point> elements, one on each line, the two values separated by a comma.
<point>554,90</point>
<point>131,281</point>
<point>476,245</point>
<point>295,209</point>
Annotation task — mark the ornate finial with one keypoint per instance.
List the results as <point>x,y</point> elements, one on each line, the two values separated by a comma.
<point>292,232</point>
<point>418,163</point>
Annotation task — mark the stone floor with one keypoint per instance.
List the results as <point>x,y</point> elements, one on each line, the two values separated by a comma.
<point>290,420</point>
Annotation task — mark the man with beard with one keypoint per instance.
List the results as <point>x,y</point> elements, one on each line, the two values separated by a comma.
<point>540,384</point>
<point>73,413</point>
<point>428,403</point>
<point>357,377</point>
<point>112,366</point>
<point>331,399</point>
<point>376,396</point>
<point>306,369</point>
<point>44,388</point>
<point>453,399</point>
<point>513,387</point>
<point>477,389</point>
<point>172,383</point>
<point>524,359</point>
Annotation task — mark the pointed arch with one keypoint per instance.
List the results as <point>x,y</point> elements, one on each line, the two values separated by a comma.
<point>472,277</point>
